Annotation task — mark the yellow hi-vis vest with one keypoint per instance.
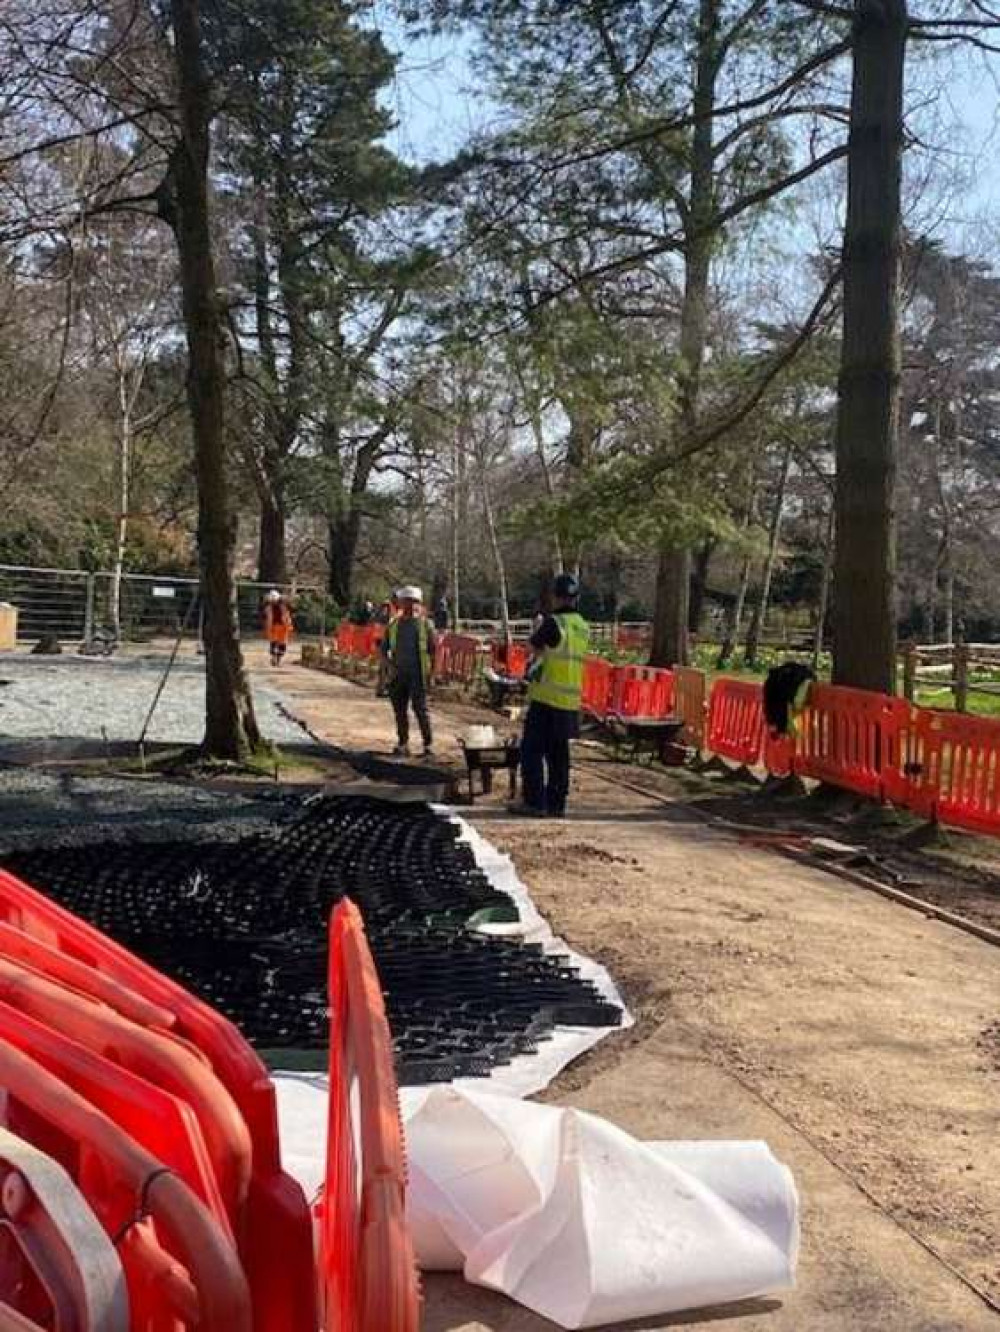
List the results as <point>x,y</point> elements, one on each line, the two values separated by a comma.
<point>423,641</point>
<point>559,682</point>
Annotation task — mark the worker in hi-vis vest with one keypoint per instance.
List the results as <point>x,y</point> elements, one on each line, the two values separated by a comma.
<point>409,646</point>
<point>555,686</point>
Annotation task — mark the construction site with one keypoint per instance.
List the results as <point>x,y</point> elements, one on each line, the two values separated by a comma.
<point>787,988</point>
<point>499,665</point>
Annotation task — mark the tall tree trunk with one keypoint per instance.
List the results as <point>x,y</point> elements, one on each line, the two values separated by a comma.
<point>868,414</point>
<point>670,615</point>
<point>826,578</point>
<point>752,654</point>
<point>495,548</point>
<point>670,641</point>
<point>272,556</point>
<point>734,613</point>
<point>272,564</point>
<point>230,724</point>
<point>699,584</point>
<point>124,469</point>
<point>342,535</point>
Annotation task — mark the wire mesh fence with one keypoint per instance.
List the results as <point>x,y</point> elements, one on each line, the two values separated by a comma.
<point>71,605</point>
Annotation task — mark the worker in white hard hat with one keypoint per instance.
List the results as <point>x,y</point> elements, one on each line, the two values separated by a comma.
<point>409,647</point>
<point>277,625</point>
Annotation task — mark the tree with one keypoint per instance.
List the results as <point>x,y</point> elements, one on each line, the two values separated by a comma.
<point>868,414</point>
<point>230,724</point>
<point>325,283</point>
<point>667,130</point>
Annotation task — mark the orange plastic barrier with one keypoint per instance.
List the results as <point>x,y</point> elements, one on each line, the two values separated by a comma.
<point>160,1058</point>
<point>736,721</point>
<point>855,740</point>
<point>457,660</point>
<point>598,686</point>
<point>644,692</point>
<point>22,948</point>
<point>954,770</point>
<point>59,1268</point>
<point>691,704</point>
<point>181,1269</point>
<point>276,1239</point>
<point>510,659</point>
<point>368,1268</point>
<point>164,1124</point>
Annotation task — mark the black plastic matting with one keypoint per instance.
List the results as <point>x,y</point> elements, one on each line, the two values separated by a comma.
<point>243,924</point>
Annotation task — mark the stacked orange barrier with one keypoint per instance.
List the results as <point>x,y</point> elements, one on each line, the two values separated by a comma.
<point>736,721</point>
<point>368,1269</point>
<point>642,692</point>
<point>181,1268</point>
<point>201,1060</point>
<point>60,1270</point>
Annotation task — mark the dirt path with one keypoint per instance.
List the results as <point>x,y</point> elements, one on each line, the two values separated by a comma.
<point>774,1001</point>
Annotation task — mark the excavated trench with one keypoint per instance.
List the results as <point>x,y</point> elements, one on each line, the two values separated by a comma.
<point>243,924</point>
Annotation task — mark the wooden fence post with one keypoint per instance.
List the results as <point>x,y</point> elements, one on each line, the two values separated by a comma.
<point>961,677</point>
<point>909,671</point>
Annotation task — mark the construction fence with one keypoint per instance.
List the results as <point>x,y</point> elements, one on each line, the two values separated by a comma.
<point>72,604</point>
<point>942,766</point>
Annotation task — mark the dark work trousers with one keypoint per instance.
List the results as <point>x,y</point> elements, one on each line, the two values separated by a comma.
<point>545,757</point>
<point>406,693</point>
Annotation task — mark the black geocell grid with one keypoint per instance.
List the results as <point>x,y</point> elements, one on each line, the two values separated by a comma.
<point>243,924</point>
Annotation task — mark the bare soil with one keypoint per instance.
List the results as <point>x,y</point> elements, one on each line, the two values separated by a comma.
<point>774,1000</point>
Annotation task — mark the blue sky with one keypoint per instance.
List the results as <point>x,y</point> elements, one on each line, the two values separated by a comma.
<point>954,175</point>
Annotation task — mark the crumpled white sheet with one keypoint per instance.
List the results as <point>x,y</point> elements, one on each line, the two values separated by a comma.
<point>569,1215</point>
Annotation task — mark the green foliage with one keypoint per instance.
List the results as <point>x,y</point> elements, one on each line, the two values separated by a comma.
<point>315,612</point>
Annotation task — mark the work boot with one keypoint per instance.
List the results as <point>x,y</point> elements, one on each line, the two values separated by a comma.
<point>521,810</point>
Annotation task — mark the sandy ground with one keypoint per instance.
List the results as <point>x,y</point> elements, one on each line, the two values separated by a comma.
<point>774,1001</point>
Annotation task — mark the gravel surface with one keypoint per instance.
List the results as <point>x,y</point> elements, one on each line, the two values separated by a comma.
<point>90,698</point>
<point>45,809</point>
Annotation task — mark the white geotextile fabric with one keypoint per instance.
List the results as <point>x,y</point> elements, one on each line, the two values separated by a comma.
<point>569,1215</point>
<point>558,1209</point>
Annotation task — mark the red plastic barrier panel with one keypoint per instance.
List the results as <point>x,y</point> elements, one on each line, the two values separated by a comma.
<point>598,686</point>
<point>370,641</point>
<point>157,1056</point>
<point>369,1271</point>
<point>510,659</point>
<point>181,1269</point>
<point>854,739</point>
<point>736,721</point>
<point>60,1270</point>
<point>457,660</point>
<point>954,770</point>
<point>276,1240</point>
<point>643,692</point>
<point>691,704</point>
<point>164,1124</point>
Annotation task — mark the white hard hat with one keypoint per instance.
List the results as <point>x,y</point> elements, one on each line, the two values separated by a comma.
<point>274,595</point>
<point>410,593</point>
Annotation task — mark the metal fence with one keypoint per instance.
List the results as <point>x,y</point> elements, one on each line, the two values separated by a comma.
<point>71,604</point>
